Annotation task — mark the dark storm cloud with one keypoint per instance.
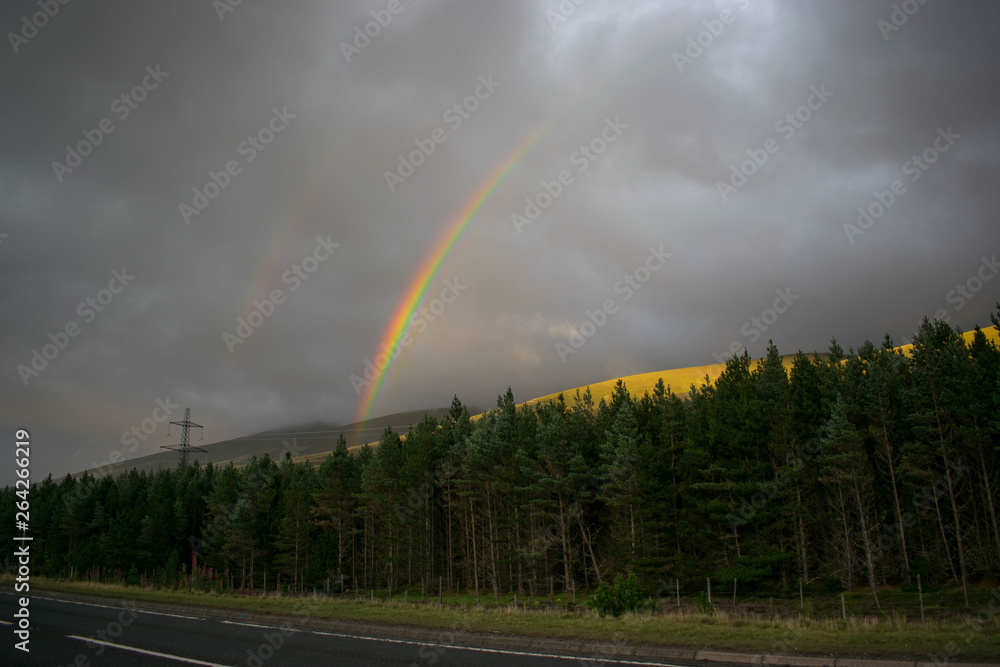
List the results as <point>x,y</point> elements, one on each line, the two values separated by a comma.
<point>346,114</point>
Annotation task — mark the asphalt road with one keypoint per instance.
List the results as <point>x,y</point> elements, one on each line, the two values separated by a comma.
<point>102,634</point>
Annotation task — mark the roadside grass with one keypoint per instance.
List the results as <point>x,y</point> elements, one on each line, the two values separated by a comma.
<point>957,637</point>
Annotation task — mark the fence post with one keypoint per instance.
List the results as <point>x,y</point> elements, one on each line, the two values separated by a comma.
<point>708,581</point>
<point>802,598</point>
<point>843,608</point>
<point>920,592</point>
<point>734,592</point>
<point>440,590</point>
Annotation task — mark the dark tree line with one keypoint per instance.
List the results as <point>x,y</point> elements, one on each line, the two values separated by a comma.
<point>843,469</point>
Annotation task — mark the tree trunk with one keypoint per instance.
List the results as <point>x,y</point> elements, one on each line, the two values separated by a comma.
<point>848,564</point>
<point>802,535</point>
<point>475,555</point>
<point>944,536</point>
<point>451,555</point>
<point>989,500</point>
<point>895,496</point>
<point>866,541</point>
<point>954,504</point>
<point>568,582</point>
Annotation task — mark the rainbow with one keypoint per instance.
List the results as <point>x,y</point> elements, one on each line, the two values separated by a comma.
<point>273,263</point>
<point>432,264</point>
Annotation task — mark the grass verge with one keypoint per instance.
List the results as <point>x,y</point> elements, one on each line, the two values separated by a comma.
<point>969,639</point>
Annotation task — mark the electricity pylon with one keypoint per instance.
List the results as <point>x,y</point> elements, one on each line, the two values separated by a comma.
<point>185,445</point>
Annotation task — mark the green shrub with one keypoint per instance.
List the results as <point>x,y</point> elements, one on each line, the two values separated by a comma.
<point>623,596</point>
<point>703,604</point>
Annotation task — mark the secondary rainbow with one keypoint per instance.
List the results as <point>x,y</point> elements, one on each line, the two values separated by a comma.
<point>276,259</point>
<point>431,266</point>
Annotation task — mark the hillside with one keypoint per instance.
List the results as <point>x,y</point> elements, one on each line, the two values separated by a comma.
<point>660,491</point>
<point>305,442</point>
<point>681,379</point>
<point>314,442</point>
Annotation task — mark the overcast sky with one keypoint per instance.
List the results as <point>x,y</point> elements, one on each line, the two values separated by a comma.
<point>739,138</point>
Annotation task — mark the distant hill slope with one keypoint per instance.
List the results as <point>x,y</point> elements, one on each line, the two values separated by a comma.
<point>314,442</point>
<point>306,442</point>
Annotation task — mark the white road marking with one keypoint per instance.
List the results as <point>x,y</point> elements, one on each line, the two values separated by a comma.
<point>104,606</point>
<point>499,651</point>
<point>266,627</point>
<point>190,661</point>
<point>463,648</point>
<point>163,613</point>
<point>532,654</point>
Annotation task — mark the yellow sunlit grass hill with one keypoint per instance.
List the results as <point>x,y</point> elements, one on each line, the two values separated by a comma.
<point>680,381</point>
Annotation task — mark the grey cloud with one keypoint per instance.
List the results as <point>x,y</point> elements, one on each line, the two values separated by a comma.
<point>324,175</point>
